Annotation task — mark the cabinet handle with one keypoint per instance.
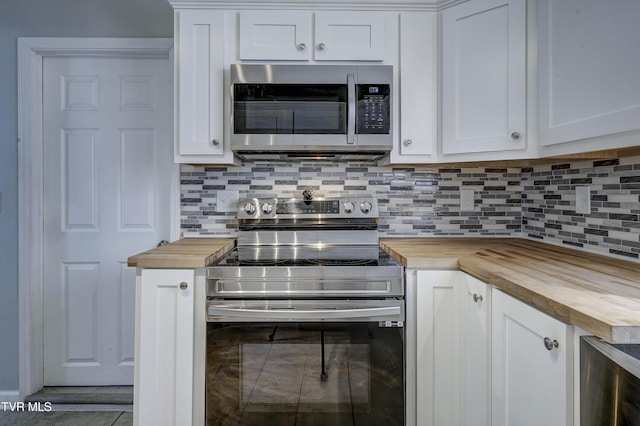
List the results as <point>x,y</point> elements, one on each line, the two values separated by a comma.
<point>408,142</point>
<point>301,46</point>
<point>550,344</point>
<point>322,46</point>
<point>515,136</point>
<point>477,297</point>
<point>215,142</point>
<point>184,285</point>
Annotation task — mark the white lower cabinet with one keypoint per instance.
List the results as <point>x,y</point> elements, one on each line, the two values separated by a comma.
<point>452,358</point>
<point>438,348</point>
<point>532,365</point>
<point>477,356</point>
<point>168,351</point>
<point>475,351</point>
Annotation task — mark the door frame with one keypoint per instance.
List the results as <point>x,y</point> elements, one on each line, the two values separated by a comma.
<point>31,53</point>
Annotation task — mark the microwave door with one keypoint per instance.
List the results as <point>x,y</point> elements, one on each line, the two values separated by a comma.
<point>282,109</point>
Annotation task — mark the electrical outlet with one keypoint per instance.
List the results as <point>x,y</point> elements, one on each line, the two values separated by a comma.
<point>467,200</point>
<point>226,201</point>
<point>583,199</point>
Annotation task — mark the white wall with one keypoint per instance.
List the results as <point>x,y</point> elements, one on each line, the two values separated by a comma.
<point>47,18</point>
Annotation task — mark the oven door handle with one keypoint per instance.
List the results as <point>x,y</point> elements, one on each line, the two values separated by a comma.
<point>304,315</point>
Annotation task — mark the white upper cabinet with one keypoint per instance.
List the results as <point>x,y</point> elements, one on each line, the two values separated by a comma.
<point>484,48</point>
<point>276,35</point>
<point>200,67</point>
<point>282,35</point>
<point>349,36</point>
<point>418,89</point>
<point>589,63</point>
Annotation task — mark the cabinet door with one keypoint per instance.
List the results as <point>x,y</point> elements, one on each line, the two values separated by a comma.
<point>418,88</point>
<point>475,377</point>
<point>531,351</point>
<point>438,348</point>
<point>275,35</point>
<point>483,76</point>
<point>200,37</point>
<point>349,36</point>
<point>588,73</point>
<point>164,347</point>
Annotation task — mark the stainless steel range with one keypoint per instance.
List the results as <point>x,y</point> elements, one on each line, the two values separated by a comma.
<point>306,318</point>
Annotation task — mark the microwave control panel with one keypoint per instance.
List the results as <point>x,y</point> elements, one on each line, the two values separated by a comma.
<point>373,109</point>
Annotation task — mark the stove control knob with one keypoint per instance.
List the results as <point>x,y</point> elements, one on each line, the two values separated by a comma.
<point>365,207</point>
<point>348,207</point>
<point>249,208</point>
<point>267,208</point>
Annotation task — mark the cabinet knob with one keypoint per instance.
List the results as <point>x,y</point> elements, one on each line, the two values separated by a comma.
<point>215,142</point>
<point>322,46</point>
<point>408,142</point>
<point>301,46</point>
<point>183,285</point>
<point>515,136</point>
<point>550,344</point>
<point>477,297</point>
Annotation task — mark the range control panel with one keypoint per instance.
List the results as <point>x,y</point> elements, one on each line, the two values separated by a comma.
<point>266,208</point>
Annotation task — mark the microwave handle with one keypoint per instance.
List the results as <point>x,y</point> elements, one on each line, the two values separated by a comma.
<point>351,108</point>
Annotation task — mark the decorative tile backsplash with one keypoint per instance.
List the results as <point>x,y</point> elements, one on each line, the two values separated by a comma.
<point>612,227</point>
<point>535,202</point>
<point>413,201</point>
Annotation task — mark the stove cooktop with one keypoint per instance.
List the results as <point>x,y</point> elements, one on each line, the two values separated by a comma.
<point>275,256</point>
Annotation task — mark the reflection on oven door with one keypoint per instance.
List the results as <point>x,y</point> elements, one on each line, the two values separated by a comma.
<point>272,373</point>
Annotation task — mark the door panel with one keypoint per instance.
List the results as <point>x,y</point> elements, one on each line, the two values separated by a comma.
<point>108,156</point>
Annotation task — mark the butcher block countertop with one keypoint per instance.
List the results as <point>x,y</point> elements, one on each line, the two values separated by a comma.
<point>436,253</point>
<point>596,293</point>
<point>184,253</point>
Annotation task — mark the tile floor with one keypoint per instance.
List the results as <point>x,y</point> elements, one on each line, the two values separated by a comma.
<point>75,406</point>
<point>67,418</point>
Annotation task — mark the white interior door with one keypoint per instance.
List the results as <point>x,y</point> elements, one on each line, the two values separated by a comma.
<point>107,174</point>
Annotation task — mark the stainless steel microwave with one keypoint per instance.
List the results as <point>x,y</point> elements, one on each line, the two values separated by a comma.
<point>311,111</point>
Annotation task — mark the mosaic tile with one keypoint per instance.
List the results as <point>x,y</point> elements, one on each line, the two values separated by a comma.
<point>537,202</point>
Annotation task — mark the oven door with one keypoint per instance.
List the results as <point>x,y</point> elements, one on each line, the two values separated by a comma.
<point>270,371</point>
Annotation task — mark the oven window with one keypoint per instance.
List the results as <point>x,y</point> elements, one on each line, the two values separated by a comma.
<point>252,379</point>
<point>290,109</point>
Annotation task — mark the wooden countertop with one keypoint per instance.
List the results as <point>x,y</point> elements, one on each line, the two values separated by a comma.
<point>436,252</point>
<point>184,253</point>
<point>596,293</point>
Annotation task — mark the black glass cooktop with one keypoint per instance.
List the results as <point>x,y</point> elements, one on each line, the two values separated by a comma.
<point>267,256</point>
